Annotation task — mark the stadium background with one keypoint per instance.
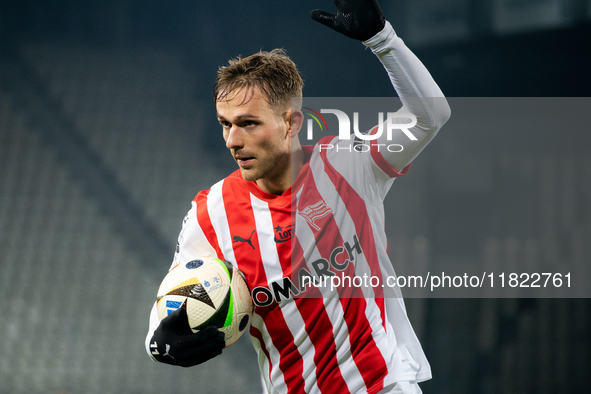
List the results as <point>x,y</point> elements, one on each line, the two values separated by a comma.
<point>107,130</point>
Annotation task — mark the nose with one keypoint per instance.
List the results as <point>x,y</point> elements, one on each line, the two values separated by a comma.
<point>233,138</point>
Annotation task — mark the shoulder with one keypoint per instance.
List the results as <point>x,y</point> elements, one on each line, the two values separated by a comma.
<point>352,167</point>
<point>341,155</point>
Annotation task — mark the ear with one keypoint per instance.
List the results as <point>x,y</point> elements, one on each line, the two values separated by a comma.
<point>296,120</point>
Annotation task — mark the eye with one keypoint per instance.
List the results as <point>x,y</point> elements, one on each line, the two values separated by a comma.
<point>250,123</point>
<point>225,123</point>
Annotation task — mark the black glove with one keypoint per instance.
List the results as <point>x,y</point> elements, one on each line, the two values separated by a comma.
<point>358,19</point>
<point>174,343</point>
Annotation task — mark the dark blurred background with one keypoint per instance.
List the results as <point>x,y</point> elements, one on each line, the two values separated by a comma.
<point>108,130</point>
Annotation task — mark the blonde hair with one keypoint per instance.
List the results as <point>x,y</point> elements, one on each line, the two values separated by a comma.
<point>274,73</point>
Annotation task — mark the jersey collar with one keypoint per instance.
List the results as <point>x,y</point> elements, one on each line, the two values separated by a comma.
<point>284,198</point>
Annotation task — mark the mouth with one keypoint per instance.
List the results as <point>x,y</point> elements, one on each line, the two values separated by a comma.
<point>244,160</point>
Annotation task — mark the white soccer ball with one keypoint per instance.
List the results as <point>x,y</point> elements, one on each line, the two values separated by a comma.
<point>212,291</point>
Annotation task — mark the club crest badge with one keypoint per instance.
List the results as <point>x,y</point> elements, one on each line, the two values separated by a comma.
<point>312,213</point>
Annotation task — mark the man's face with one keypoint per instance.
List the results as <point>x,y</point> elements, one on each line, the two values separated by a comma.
<point>258,138</point>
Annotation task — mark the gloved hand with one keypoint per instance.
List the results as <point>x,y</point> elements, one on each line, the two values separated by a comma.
<point>174,343</point>
<point>358,19</point>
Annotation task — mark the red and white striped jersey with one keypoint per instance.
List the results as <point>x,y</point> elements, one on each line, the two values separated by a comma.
<point>309,337</point>
<point>330,222</point>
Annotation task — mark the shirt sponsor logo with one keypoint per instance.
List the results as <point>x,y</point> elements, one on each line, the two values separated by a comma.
<point>284,234</point>
<point>318,270</point>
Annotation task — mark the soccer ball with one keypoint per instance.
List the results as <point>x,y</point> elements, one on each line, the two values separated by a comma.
<point>212,291</point>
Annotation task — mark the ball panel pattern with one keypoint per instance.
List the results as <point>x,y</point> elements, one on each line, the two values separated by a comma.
<point>198,313</point>
<point>220,317</point>
<point>194,291</point>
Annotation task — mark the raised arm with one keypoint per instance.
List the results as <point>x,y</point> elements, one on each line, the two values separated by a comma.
<point>420,95</point>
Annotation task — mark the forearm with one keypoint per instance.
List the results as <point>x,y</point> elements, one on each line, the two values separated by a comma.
<point>192,244</point>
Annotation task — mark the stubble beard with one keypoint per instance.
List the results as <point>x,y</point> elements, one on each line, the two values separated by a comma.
<point>271,169</point>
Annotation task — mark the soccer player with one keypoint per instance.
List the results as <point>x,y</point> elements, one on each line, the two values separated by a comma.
<point>292,212</point>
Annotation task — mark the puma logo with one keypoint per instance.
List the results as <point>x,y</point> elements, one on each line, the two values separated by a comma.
<point>167,351</point>
<point>237,238</point>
